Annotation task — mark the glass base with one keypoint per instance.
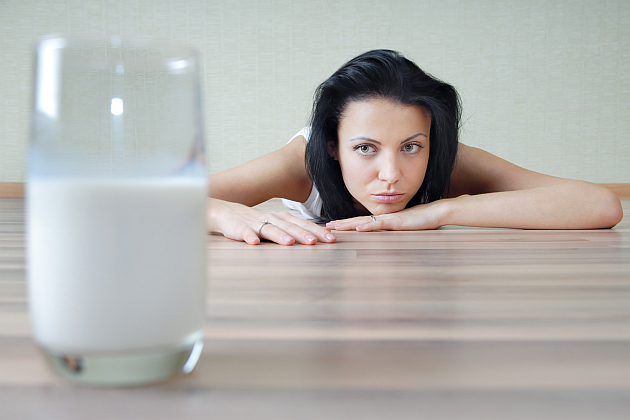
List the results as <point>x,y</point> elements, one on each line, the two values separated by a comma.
<point>124,369</point>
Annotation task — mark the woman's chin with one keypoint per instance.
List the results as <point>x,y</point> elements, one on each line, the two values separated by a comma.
<point>381,208</point>
<point>377,208</point>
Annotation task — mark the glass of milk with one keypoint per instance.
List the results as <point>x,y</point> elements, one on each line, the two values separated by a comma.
<point>116,197</point>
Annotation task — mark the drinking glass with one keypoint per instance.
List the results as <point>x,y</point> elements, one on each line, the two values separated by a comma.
<point>116,196</point>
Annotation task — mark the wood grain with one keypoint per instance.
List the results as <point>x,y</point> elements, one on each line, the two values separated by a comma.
<point>457,323</point>
<point>11,190</point>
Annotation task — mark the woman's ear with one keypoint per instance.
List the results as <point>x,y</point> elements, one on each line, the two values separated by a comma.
<point>332,150</point>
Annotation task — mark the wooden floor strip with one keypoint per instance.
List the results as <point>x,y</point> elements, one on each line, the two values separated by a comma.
<point>11,190</point>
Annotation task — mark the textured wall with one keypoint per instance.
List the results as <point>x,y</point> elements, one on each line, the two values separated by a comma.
<point>545,84</point>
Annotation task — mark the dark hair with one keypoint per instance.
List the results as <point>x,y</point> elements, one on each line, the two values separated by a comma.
<point>381,74</point>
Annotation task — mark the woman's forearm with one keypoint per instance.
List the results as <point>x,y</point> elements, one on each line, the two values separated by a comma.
<point>566,205</point>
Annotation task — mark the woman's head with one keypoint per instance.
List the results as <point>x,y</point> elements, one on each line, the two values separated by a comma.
<point>381,125</point>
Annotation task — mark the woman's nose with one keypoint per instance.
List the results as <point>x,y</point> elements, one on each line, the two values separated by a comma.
<point>389,170</point>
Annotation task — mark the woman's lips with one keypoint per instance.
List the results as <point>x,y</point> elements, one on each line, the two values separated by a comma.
<point>387,198</point>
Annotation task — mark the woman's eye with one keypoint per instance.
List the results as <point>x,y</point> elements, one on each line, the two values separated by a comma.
<point>411,147</point>
<point>364,148</point>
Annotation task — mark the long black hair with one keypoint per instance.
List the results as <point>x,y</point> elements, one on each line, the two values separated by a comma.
<point>381,74</point>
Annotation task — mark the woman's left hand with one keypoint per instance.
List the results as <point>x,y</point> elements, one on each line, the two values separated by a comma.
<point>421,217</point>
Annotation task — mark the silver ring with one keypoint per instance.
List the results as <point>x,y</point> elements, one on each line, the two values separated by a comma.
<point>373,218</point>
<point>264,222</point>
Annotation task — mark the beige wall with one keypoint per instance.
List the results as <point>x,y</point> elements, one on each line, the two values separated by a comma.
<point>545,84</point>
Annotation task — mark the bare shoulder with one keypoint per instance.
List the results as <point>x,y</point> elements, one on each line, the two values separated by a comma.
<point>292,164</point>
<point>294,150</point>
<point>477,171</point>
<point>279,174</point>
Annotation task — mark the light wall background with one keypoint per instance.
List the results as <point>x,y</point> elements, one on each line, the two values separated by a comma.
<point>544,83</point>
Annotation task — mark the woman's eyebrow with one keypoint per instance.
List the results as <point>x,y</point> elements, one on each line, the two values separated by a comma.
<point>366,139</point>
<point>378,142</point>
<point>414,136</point>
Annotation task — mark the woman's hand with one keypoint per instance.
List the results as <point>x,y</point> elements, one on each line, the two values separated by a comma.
<point>242,223</point>
<point>421,217</point>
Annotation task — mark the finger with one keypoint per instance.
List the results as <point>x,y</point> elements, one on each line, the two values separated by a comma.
<point>371,226</point>
<point>306,236</point>
<point>250,237</point>
<point>273,233</point>
<point>304,231</point>
<point>350,224</point>
<point>323,234</point>
<point>383,222</point>
<point>299,234</point>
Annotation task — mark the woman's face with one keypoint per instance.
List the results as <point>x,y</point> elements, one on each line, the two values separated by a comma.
<point>383,152</point>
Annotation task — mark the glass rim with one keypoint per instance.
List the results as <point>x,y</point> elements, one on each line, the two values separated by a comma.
<point>174,49</point>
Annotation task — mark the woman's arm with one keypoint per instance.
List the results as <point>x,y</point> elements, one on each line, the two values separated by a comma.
<point>488,191</point>
<point>281,173</point>
<point>278,174</point>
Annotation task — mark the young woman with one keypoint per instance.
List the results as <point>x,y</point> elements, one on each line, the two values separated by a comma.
<point>382,153</point>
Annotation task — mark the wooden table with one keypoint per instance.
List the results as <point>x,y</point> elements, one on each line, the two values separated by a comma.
<point>447,324</point>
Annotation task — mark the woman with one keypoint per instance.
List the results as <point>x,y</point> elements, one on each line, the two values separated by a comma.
<point>382,153</point>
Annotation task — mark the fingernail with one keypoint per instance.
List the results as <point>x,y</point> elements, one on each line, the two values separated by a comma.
<point>330,237</point>
<point>310,238</point>
<point>287,238</point>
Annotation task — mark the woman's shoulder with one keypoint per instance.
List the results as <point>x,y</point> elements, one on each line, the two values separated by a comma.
<point>477,171</point>
<point>291,168</point>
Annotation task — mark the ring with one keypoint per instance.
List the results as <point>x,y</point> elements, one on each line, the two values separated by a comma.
<point>264,222</point>
<point>373,218</point>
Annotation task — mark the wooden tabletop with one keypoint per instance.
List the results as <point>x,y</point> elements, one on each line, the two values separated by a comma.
<point>448,324</point>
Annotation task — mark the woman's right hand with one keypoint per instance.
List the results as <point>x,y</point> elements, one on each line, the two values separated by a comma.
<point>242,223</point>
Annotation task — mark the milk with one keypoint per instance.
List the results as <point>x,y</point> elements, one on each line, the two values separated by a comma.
<point>116,265</point>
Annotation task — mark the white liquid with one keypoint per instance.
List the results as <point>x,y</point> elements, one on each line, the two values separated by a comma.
<point>118,264</point>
